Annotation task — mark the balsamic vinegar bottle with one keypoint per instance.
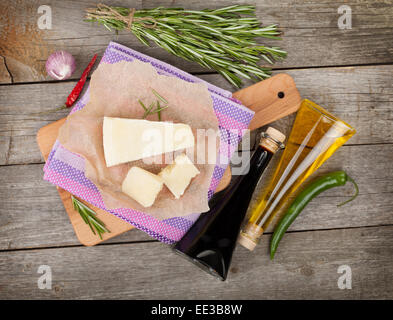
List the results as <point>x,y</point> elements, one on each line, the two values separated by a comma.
<point>211,240</point>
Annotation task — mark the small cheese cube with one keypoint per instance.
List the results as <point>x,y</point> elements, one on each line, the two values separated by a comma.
<point>177,176</point>
<point>141,185</point>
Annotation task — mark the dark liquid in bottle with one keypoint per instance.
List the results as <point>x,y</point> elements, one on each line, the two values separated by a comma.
<point>210,242</point>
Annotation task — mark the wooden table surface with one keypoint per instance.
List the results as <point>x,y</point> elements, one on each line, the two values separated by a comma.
<point>349,72</point>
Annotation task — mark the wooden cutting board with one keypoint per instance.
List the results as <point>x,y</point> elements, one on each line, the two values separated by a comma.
<point>271,100</point>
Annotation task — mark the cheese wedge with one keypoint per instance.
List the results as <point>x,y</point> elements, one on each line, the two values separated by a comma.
<point>128,140</point>
<point>142,186</point>
<point>177,176</point>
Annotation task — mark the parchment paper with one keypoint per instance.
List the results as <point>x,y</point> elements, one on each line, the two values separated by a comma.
<point>114,92</point>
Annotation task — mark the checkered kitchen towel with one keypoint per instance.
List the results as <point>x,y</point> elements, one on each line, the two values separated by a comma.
<point>66,169</point>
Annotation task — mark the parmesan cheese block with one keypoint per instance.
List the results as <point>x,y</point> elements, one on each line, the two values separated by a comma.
<point>142,186</point>
<point>177,176</point>
<point>128,140</point>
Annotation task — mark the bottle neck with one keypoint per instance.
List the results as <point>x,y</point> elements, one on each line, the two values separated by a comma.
<point>270,143</point>
<point>260,159</point>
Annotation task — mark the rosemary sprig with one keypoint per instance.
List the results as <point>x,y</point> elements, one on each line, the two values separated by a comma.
<point>89,217</point>
<point>221,39</point>
<point>149,110</point>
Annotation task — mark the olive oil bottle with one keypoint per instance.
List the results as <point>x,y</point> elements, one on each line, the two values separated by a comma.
<point>210,242</point>
<point>316,134</point>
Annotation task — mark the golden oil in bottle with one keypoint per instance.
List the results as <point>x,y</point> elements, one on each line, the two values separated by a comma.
<point>315,136</point>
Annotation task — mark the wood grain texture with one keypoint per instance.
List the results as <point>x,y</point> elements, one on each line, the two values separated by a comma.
<point>271,99</point>
<point>311,35</point>
<point>5,76</point>
<point>362,96</point>
<point>32,215</point>
<point>25,215</point>
<point>305,267</point>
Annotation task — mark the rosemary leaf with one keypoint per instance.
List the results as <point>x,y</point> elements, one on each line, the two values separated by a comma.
<point>143,106</point>
<point>147,112</point>
<point>159,96</point>
<point>158,110</point>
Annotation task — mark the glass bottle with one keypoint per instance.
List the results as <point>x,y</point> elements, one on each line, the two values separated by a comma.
<point>316,134</point>
<point>210,242</point>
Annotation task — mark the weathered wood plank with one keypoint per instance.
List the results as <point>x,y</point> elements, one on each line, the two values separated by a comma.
<point>311,35</point>
<point>305,268</point>
<point>362,96</point>
<point>32,215</point>
<point>5,76</point>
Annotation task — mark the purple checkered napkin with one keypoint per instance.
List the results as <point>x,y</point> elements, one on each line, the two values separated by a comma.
<point>66,169</point>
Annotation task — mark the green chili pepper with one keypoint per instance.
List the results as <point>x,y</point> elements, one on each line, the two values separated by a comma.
<point>328,181</point>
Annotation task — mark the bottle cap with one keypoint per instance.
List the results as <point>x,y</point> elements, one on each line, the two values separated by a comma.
<point>275,134</point>
<point>246,242</point>
<point>250,235</point>
<point>272,139</point>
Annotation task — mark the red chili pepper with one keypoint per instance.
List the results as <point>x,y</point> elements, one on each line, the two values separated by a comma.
<point>79,86</point>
